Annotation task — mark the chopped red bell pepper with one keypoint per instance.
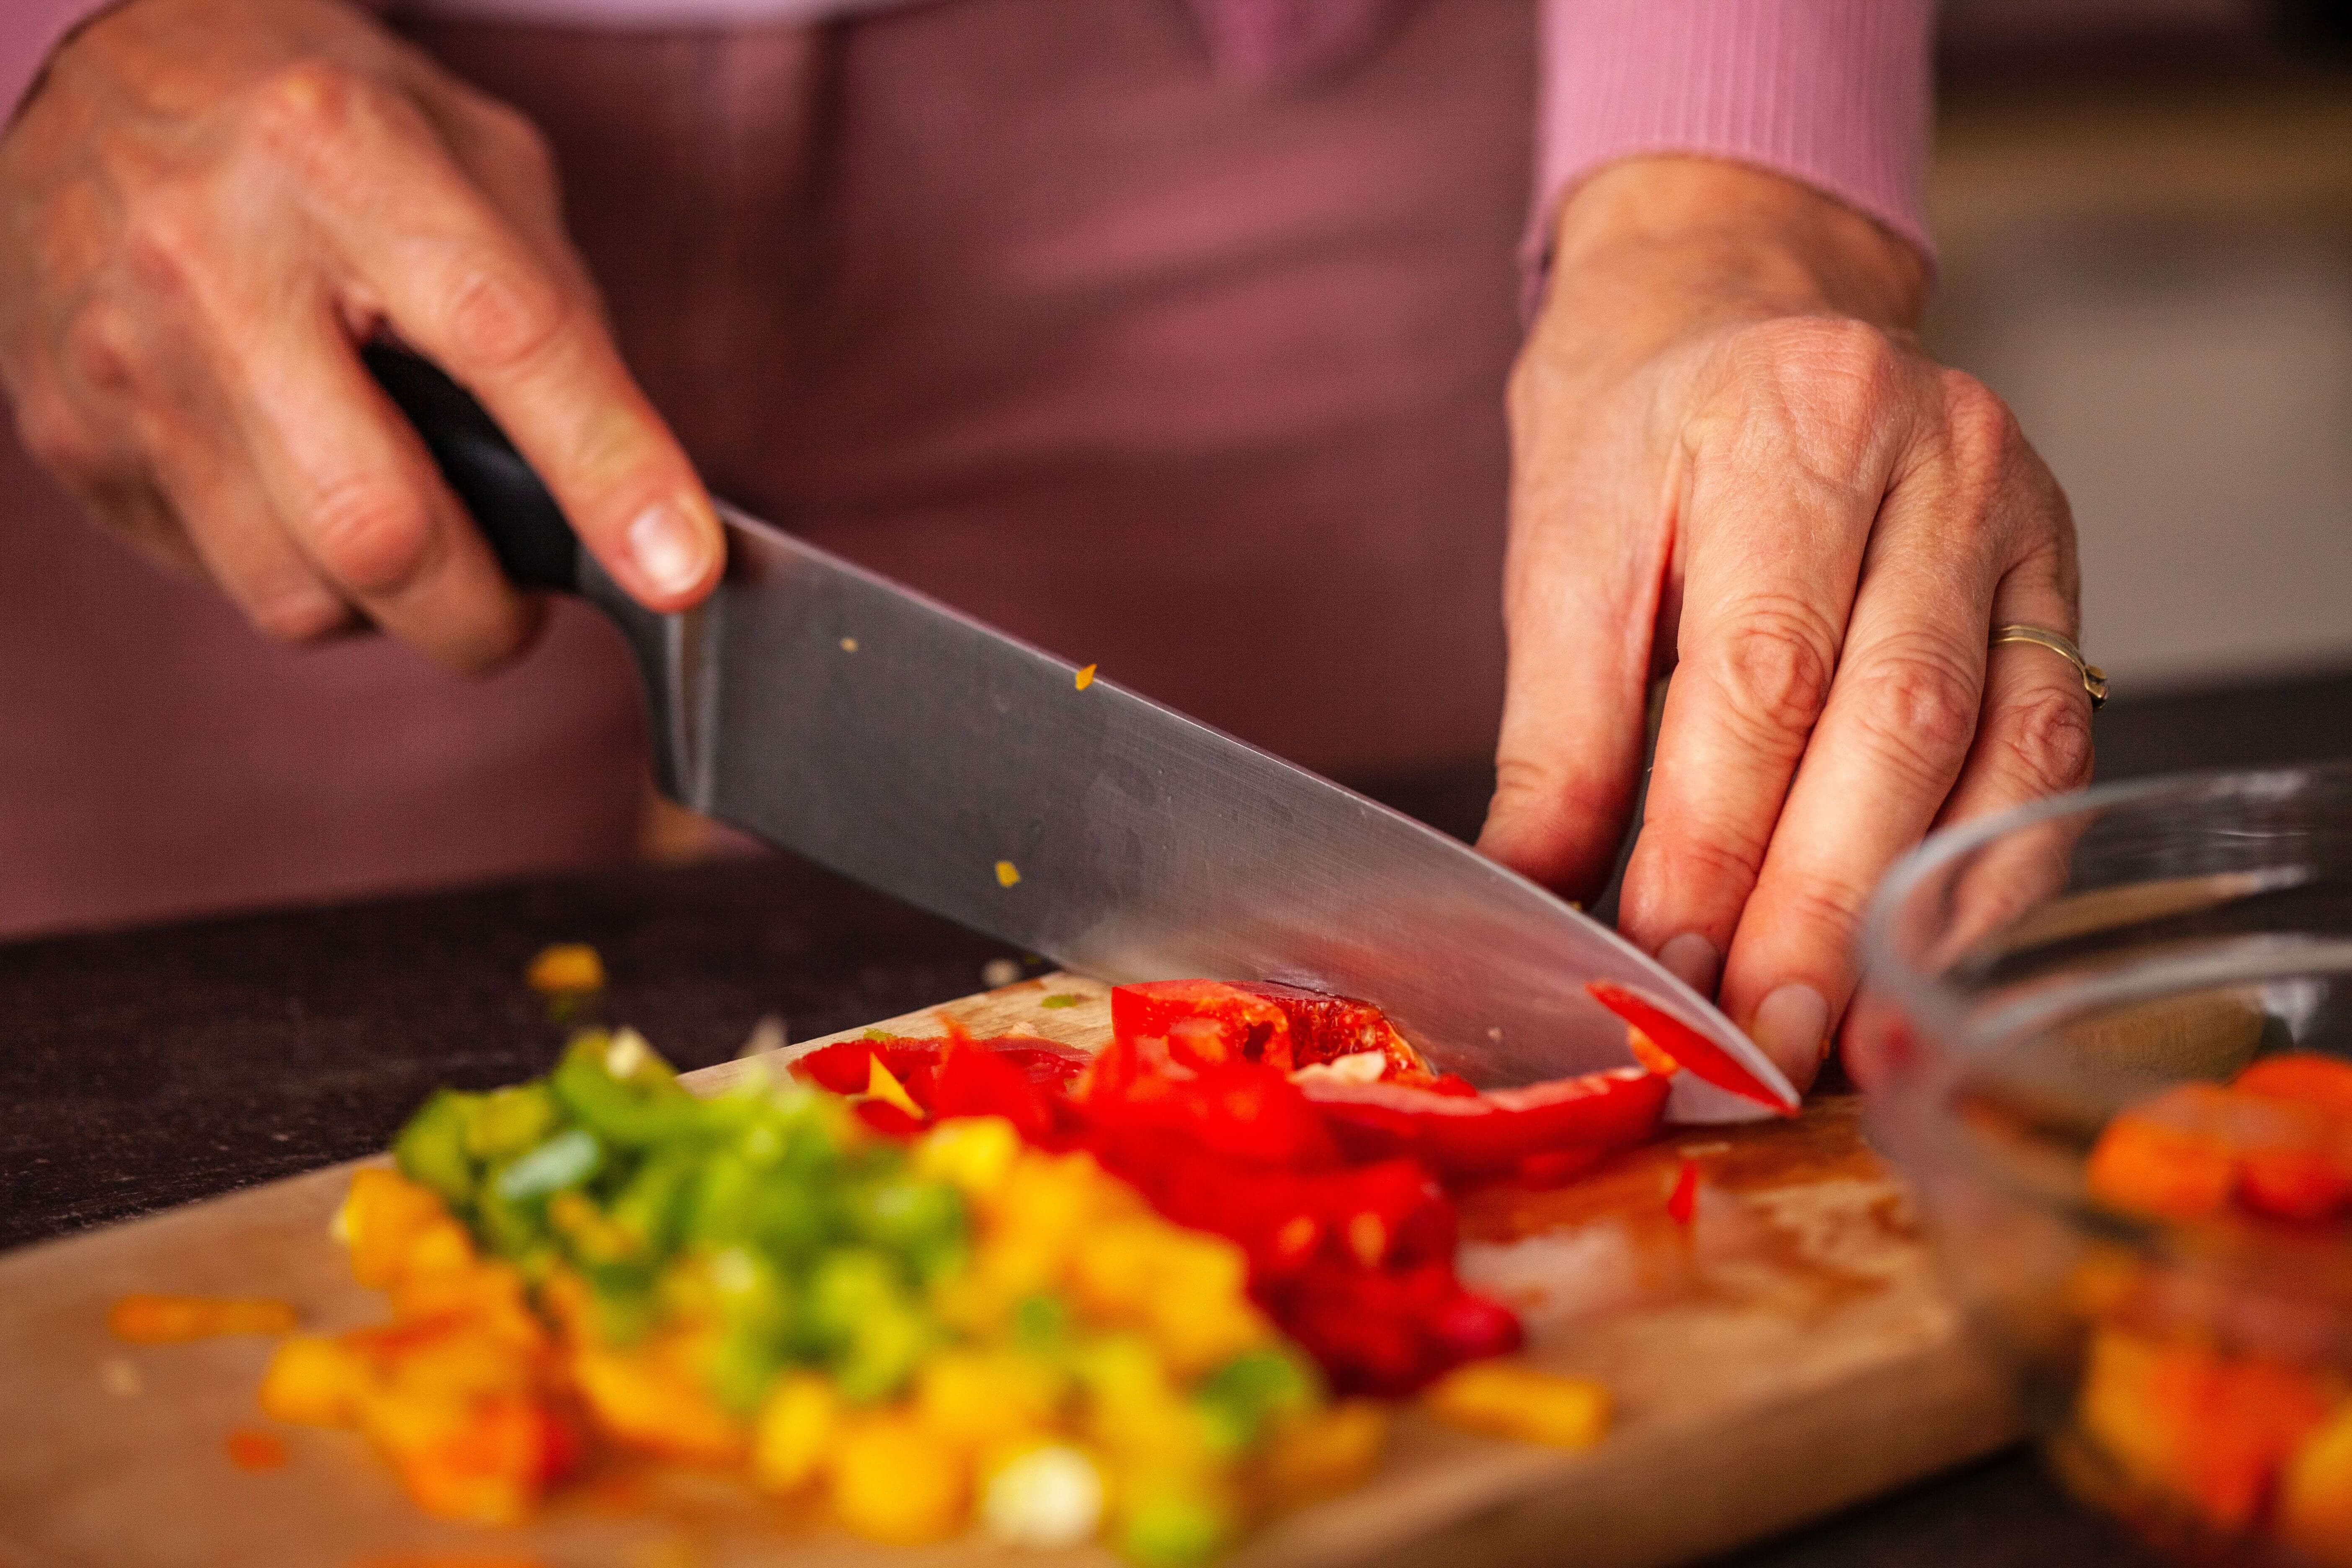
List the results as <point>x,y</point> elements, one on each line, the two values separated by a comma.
<point>1286,1026</point>
<point>1226,1022</point>
<point>1704,1058</point>
<point>1324,1028</point>
<point>1491,1133</point>
<point>1682,1203</point>
<point>1388,1331</point>
<point>842,1066</point>
<point>1244,1111</point>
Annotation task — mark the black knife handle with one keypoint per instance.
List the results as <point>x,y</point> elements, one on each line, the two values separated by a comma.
<point>525,528</point>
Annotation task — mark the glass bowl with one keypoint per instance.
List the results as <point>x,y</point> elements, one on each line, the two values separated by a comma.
<point>2188,1363</point>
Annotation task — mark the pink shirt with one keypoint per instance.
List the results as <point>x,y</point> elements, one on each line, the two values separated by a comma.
<point>1831,92</point>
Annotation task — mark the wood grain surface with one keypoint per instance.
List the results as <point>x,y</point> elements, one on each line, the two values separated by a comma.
<point>1787,1354</point>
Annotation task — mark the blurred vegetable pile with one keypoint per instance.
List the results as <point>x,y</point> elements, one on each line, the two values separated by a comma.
<point>1142,1296</point>
<point>2223,1410</point>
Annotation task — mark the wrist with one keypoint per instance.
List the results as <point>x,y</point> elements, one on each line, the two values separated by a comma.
<point>1654,245</point>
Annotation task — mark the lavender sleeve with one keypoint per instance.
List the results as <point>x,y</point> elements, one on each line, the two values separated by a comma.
<point>30,29</point>
<point>1834,93</point>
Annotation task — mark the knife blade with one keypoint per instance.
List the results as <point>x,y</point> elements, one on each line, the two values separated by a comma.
<point>854,721</point>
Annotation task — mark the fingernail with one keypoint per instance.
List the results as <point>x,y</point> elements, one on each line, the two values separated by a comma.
<point>1791,1027</point>
<point>1694,961</point>
<point>670,546</point>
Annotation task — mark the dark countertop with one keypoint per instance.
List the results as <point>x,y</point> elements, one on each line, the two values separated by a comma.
<point>149,1067</point>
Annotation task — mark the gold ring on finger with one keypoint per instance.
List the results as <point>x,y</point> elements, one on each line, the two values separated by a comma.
<point>2095,680</point>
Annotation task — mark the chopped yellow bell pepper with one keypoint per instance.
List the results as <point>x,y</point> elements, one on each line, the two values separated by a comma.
<point>1511,1399</point>
<point>795,1430</point>
<point>895,1482</point>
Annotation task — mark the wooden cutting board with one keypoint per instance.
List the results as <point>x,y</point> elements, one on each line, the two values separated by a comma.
<point>1787,1354</point>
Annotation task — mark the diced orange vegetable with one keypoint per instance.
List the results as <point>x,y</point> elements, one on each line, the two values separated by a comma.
<point>314,1382</point>
<point>645,1404</point>
<point>2212,1431</point>
<point>565,968</point>
<point>2303,1076</point>
<point>251,1450</point>
<point>381,1221</point>
<point>145,1320</point>
<point>1511,1399</point>
<point>2314,1499</point>
<point>490,1467</point>
<point>1322,1455</point>
<point>2168,1157</point>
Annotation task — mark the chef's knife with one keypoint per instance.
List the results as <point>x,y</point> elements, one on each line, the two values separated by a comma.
<point>838,715</point>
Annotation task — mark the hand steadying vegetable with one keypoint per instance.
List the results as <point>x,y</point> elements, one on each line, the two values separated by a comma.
<point>1732,461</point>
<point>204,208</point>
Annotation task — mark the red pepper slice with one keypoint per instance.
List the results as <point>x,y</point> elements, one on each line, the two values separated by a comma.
<point>1703,1057</point>
<point>1493,1132</point>
<point>1241,1111</point>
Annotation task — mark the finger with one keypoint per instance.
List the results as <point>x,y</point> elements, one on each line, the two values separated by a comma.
<point>95,464</point>
<point>208,482</point>
<point>1581,617</point>
<point>363,499</point>
<point>460,284</point>
<point>1898,724</point>
<point>1777,520</point>
<point>2035,739</point>
<point>174,472</point>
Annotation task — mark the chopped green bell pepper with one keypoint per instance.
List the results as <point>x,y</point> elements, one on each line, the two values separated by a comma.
<point>431,1149</point>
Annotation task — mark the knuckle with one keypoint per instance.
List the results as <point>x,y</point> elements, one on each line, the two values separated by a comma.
<point>101,348</point>
<point>308,105</point>
<point>2047,736</point>
<point>166,238</point>
<point>1564,801</point>
<point>297,615</point>
<point>1708,859</point>
<point>373,538</point>
<point>501,320</point>
<point>1919,706</point>
<point>1824,386</point>
<point>516,137</point>
<point>1775,668</point>
<point>1980,433</point>
<point>54,435</point>
<point>1818,903</point>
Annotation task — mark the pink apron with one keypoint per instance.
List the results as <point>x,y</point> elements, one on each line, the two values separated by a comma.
<point>1015,301</point>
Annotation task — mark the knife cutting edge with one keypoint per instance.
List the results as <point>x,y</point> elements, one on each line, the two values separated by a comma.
<point>846,718</point>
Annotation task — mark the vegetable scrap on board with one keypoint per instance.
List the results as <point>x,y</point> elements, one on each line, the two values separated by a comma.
<point>1152,1296</point>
